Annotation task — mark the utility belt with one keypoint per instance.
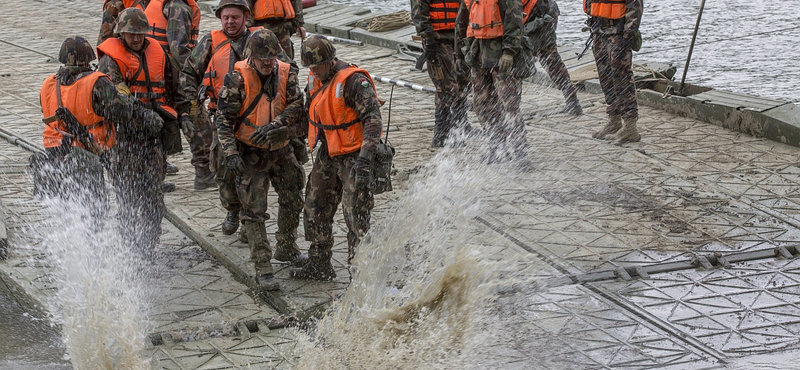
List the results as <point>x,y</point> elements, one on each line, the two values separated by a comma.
<point>598,22</point>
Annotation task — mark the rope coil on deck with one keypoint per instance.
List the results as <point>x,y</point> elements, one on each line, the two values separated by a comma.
<point>386,22</point>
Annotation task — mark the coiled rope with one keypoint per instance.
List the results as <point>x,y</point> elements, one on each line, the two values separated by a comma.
<point>386,22</point>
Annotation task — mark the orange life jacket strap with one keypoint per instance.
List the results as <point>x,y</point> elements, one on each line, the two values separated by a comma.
<point>334,127</point>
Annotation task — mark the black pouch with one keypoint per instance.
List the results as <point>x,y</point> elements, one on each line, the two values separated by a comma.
<point>382,168</point>
<point>171,136</point>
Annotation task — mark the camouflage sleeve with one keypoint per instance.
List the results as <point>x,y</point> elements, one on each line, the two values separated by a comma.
<point>462,19</point>
<point>512,25</point>
<point>230,102</point>
<point>359,95</point>
<point>110,104</point>
<point>175,95</point>
<point>292,115</point>
<point>110,12</point>
<point>633,15</point>
<point>298,20</point>
<point>195,67</point>
<point>179,30</point>
<point>107,65</point>
<point>421,17</point>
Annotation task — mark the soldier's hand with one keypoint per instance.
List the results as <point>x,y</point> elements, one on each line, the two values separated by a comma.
<point>361,173</point>
<point>123,89</point>
<point>259,136</point>
<point>151,121</point>
<point>301,31</point>
<point>193,109</point>
<point>235,165</point>
<point>278,135</point>
<point>506,63</point>
<point>187,127</point>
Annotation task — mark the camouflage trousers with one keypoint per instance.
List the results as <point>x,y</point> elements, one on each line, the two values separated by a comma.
<point>226,181</point>
<point>496,100</point>
<point>283,30</point>
<point>329,184</point>
<point>281,168</point>
<point>614,67</point>
<point>551,61</point>
<point>137,170</point>
<point>452,89</point>
<point>200,143</point>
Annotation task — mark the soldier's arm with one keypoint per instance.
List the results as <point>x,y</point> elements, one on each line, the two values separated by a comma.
<point>298,20</point>
<point>175,95</point>
<point>230,103</point>
<point>512,25</point>
<point>110,12</point>
<point>360,96</point>
<point>179,30</point>
<point>292,115</point>
<point>108,103</point>
<point>107,65</point>
<point>633,15</point>
<point>421,16</point>
<point>462,19</point>
<point>195,68</point>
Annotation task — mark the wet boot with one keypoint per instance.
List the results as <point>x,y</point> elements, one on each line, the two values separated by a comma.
<point>171,169</point>
<point>628,133</point>
<point>287,251</point>
<point>243,236</point>
<point>260,254</point>
<point>319,265</point>
<point>613,125</point>
<point>231,223</point>
<point>203,178</point>
<point>168,187</point>
<point>573,106</point>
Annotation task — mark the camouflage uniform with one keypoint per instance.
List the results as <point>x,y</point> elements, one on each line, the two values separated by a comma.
<point>111,9</point>
<point>138,166</point>
<point>262,166</point>
<point>497,95</point>
<point>282,28</point>
<point>611,45</point>
<point>452,86</point>
<point>540,32</point>
<point>330,181</point>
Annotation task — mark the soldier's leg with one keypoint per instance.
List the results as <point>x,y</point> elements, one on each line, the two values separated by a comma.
<point>621,66</point>
<point>602,50</point>
<point>440,70</point>
<point>288,179</point>
<point>226,183</point>
<point>485,102</point>
<point>126,188</point>
<point>356,205</point>
<point>509,90</point>
<point>459,106</point>
<point>152,197</point>
<point>253,188</point>
<point>200,145</point>
<point>557,71</point>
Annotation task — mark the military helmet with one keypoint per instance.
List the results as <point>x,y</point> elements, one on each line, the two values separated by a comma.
<point>76,51</point>
<point>316,50</point>
<point>262,44</point>
<point>228,3</point>
<point>132,20</point>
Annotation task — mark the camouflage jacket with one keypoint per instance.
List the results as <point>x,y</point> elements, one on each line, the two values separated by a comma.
<point>359,95</point>
<point>111,10</point>
<point>106,101</point>
<point>421,17</point>
<point>632,20</point>
<point>296,22</point>
<point>175,96</point>
<point>195,67</point>
<point>179,30</point>
<point>233,95</point>
<point>485,53</point>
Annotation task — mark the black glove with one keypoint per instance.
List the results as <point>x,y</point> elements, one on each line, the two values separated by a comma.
<point>187,127</point>
<point>259,136</point>
<point>361,172</point>
<point>151,122</point>
<point>235,165</point>
<point>278,135</point>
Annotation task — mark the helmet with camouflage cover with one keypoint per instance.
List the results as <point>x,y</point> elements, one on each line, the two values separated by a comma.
<point>317,49</point>
<point>262,44</point>
<point>228,3</point>
<point>132,20</point>
<point>76,51</point>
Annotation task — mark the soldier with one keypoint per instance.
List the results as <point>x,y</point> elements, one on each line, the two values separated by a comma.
<point>282,17</point>
<point>78,106</point>
<point>435,21</point>
<point>261,107</point>
<point>138,65</point>
<point>615,33</point>
<point>111,9</point>
<point>488,39</point>
<point>344,120</point>
<point>540,32</point>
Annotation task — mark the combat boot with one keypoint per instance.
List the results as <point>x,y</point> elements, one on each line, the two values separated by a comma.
<point>573,106</point>
<point>168,187</point>
<point>319,265</point>
<point>268,282</point>
<point>171,169</point>
<point>286,250</point>
<point>260,254</point>
<point>628,133</point>
<point>231,223</point>
<point>203,178</point>
<point>613,125</point>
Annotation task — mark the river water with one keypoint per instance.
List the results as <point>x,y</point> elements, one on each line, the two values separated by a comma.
<point>726,55</point>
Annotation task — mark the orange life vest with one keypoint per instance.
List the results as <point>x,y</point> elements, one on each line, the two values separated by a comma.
<point>268,9</point>
<point>127,4</point>
<point>222,60</point>
<point>609,9</point>
<point>147,83</point>
<point>443,14</point>
<point>254,114</point>
<point>328,112</point>
<point>78,100</point>
<point>155,15</point>
<point>485,20</point>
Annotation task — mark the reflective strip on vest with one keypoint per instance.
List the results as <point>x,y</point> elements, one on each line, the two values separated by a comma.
<point>328,113</point>
<point>151,92</point>
<point>77,98</point>
<point>155,15</point>
<point>443,14</point>
<point>273,9</point>
<point>609,9</point>
<point>266,109</point>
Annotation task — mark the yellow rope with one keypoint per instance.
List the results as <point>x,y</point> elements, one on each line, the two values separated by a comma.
<point>386,22</point>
